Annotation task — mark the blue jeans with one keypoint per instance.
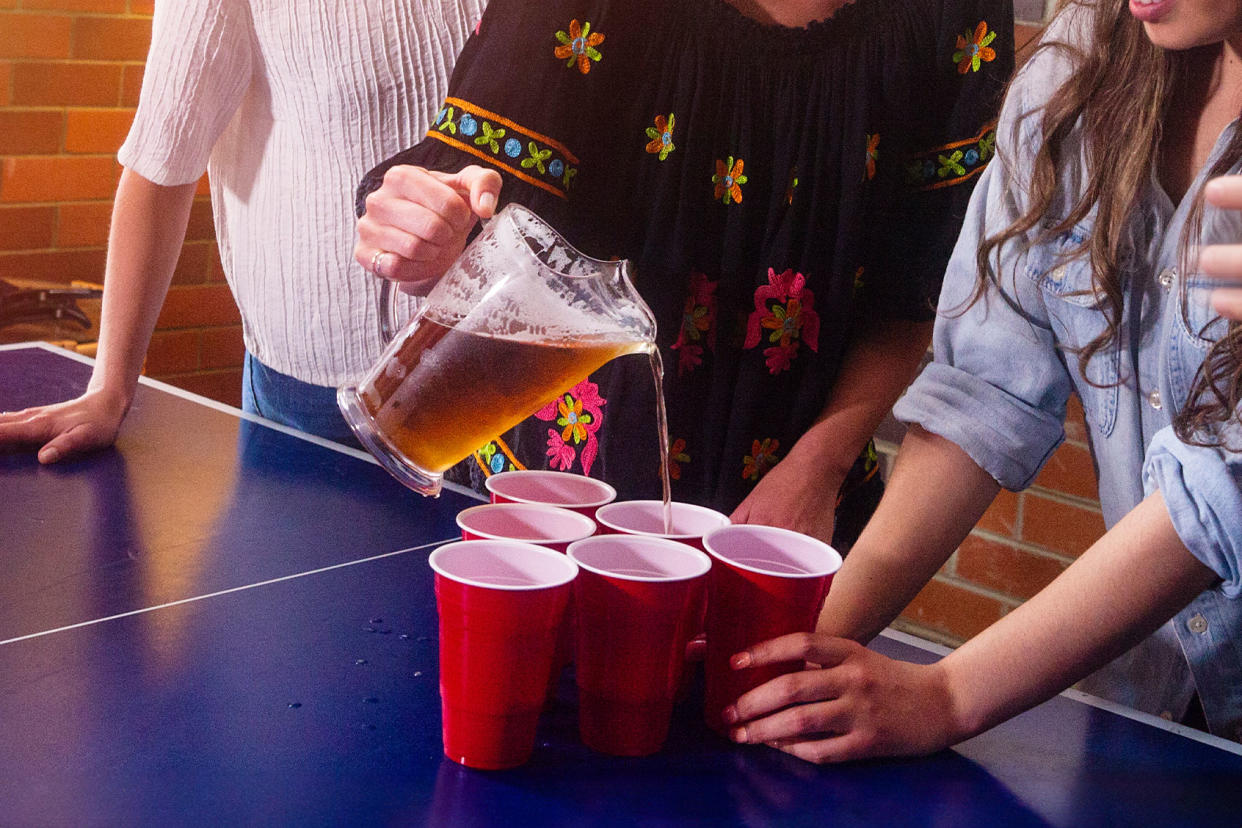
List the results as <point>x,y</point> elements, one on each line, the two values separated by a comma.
<point>289,401</point>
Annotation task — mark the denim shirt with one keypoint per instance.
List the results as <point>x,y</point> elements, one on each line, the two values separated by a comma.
<point>1002,375</point>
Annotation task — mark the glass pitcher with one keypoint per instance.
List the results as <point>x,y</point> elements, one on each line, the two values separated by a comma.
<point>519,318</point>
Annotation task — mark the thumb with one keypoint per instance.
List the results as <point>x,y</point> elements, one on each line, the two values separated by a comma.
<point>480,186</point>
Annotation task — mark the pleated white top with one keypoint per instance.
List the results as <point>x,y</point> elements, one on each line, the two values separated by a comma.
<point>286,104</point>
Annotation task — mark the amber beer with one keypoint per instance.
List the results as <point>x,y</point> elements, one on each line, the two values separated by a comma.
<point>444,392</point>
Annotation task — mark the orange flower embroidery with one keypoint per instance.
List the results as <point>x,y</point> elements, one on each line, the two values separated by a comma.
<point>873,154</point>
<point>578,46</point>
<point>974,51</point>
<point>728,180</point>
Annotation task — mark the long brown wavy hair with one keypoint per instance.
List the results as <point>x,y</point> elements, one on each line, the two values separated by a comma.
<point>1118,96</point>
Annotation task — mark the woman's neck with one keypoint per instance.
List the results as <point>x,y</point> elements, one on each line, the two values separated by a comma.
<point>1209,97</point>
<point>794,13</point>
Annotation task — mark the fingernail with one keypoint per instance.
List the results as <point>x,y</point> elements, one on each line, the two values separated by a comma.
<point>49,455</point>
<point>729,714</point>
<point>740,661</point>
<point>487,203</point>
<point>740,735</point>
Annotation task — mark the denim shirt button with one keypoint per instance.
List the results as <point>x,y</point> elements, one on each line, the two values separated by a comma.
<point>1197,624</point>
<point>1154,400</point>
<point>1166,277</point>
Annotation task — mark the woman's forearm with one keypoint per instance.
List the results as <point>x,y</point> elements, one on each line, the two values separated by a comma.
<point>148,228</point>
<point>933,499</point>
<point>1118,592</point>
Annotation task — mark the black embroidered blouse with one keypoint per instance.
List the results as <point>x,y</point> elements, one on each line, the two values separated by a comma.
<point>776,189</point>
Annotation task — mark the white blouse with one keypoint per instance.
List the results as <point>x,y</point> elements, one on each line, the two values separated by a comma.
<point>286,104</point>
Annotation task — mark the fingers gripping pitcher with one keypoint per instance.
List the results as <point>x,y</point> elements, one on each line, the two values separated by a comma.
<point>520,307</point>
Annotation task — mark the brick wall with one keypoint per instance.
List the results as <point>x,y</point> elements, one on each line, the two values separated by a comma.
<point>70,74</point>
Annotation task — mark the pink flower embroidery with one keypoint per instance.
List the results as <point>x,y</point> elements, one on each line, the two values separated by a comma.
<point>560,453</point>
<point>578,415</point>
<point>697,323</point>
<point>786,309</point>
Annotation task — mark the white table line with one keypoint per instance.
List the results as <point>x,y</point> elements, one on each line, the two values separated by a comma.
<point>218,593</point>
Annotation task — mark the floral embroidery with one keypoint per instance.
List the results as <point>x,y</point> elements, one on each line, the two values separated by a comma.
<point>729,180</point>
<point>579,415</point>
<point>676,456</point>
<point>873,154</point>
<point>496,457</point>
<point>974,50</point>
<point>578,46</point>
<point>761,458</point>
<point>490,137</point>
<point>661,136</point>
<point>572,419</point>
<point>953,163</point>
<point>534,158</point>
<point>790,317</point>
<point>537,158</point>
<point>697,323</point>
<point>987,145</point>
<point>793,185</point>
<point>445,122</point>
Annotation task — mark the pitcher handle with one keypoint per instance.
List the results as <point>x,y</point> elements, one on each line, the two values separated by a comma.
<point>387,312</point>
<point>388,324</point>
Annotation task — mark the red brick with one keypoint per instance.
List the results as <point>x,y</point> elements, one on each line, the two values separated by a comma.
<point>202,226</point>
<point>95,6</point>
<point>111,38</point>
<point>1002,516</point>
<point>131,85</point>
<point>216,271</point>
<point>194,263</point>
<point>1069,470</point>
<point>223,386</point>
<point>6,83</point>
<point>31,131</point>
<point>84,224</point>
<point>57,178</point>
<point>1075,421</point>
<point>198,305</point>
<point>1059,526</point>
<point>953,609</point>
<point>173,352</point>
<point>66,84</point>
<point>146,7</point>
<point>53,265</point>
<point>204,186</point>
<point>34,35</point>
<point>1004,567</point>
<point>222,347</point>
<point>96,130</point>
<point>26,228</point>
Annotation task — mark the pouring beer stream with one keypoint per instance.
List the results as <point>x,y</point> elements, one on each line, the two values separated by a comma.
<point>522,299</point>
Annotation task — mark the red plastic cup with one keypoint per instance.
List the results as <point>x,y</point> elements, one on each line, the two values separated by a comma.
<point>565,489</point>
<point>550,526</point>
<point>690,523</point>
<point>501,604</point>
<point>636,598</point>
<point>646,517</point>
<point>765,582</point>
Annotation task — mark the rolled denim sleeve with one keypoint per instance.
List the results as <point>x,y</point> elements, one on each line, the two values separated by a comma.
<point>1202,489</point>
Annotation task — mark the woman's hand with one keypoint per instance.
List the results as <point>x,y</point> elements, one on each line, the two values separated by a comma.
<point>417,222</point>
<point>66,429</point>
<point>855,704</point>
<point>1225,260</point>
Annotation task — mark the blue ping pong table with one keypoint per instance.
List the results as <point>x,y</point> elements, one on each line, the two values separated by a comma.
<point>221,621</point>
